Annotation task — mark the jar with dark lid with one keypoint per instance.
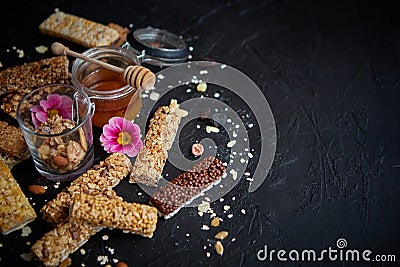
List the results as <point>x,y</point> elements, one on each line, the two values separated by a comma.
<point>158,47</point>
<point>112,96</point>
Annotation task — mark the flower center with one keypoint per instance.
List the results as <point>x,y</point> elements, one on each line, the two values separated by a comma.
<point>124,138</point>
<point>52,112</point>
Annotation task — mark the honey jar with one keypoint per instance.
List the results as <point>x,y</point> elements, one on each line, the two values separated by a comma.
<point>112,96</point>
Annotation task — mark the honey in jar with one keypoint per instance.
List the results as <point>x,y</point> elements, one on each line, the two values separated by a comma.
<point>112,96</point>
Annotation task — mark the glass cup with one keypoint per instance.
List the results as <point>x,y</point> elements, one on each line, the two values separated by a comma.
<point>56,123</point>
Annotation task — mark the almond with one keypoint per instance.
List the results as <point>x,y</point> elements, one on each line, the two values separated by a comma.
<point>60,161</point>
<point>37,189</point>
<point>121,264</point>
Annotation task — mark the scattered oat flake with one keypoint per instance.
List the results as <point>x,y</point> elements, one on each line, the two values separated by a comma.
<point>191,48</point>
<point>251,125</point>
<point>41,49</point>
<point>26,256</point>
<point>217,95</point>
<point>82,251</point>
<point>1,65</point>
<point>250,155</point>
<point>204,206</point>
<point>105,237</point>
<point>230,216</point>
<point>212,129</point>
<point>208,254</point>
<point>242,161</point>
<point>154,96</point>
<point>202,87</point>
<point>20,53</point>
<point>227,207</point>
<point>243,211</point>
<point>231,143</point>
<point>26,231</point>
<point>188,90</point>
<point>203,72</point>
<point>223,66</point>
<point>233,173</point>
<point>160,76</point>
<point>187,234</point>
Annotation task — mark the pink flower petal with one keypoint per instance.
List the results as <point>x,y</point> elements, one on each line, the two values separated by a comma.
<point>41,116</point>
<point>36,108</point>
<point>65,109</point>
<point>53,102</point>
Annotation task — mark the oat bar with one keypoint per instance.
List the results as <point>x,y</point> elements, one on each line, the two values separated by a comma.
<point>184,188</point>
<point>151,158</point>
<point>100,210</point>
<point>13,148</point>
<point>55,246</point>
<point>19,80</point>
<point>15,209</point>
<point>79,30</point>
<point>100,179</point>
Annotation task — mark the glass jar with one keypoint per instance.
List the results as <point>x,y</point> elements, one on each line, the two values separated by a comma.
<point>112,96</point>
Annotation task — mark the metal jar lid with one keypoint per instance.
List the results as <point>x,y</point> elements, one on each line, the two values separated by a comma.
<point>161,48</point>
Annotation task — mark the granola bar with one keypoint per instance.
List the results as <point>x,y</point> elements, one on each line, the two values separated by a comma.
<point>15,209</point>
<point>79,30</point>
<point>18,80</point>
<point>151,158</point>
<point>100,210</point>
<point>100,179</point>
<point>13,148</point>
<point>184,188</point>
<point>56,245</point>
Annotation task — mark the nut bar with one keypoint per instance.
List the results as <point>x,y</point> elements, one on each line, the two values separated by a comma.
<point>100,179</point>
<point>151,158</point>
<point>13,148</point>
<point>184,188</point>
<point>55,246</point>
<point>100,210</point>
<point>79,30</point>
<point>15,209</point>
<point>19,80</point>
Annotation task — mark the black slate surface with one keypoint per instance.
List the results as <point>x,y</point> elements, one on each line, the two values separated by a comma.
<point>330,72</point>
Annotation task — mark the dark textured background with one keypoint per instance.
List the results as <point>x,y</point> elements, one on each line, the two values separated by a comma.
<point>330,72</point>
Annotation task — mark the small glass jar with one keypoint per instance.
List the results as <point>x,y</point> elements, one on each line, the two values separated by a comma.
<point>112,96</point>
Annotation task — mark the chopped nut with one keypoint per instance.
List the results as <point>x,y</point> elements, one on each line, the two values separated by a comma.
<point>221,235</point>
<point>197,149</point>
<point>67,262</point>
<point>202,87</point>
<point>204,206</point>
<point>41,49</point>
<point>60,161</point>
<point>212,129</point>
<point>215,222</point>
<point>121,264</point>
<point>37,189</point>
<point>219,248</point>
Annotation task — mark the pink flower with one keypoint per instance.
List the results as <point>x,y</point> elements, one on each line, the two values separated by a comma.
<point>54,105</point>
<point>121,135</point>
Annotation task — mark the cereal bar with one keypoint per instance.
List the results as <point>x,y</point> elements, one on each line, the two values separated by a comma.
<point>100,179</point>
<point>15,209</point>
<point>13,148</point>
<point>55,246</point>
<point>184,188</point>
<point>19,80</point>
<point>151,158</point>
<point>79,30</point>
<point>100,210</point>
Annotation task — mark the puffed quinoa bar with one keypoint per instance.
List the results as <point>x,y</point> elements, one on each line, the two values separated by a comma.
<point>100,210</point>
<point>186,187</point>
<point>79,30</point>
<point>18,80</point>
<point>15,209</point>
<point>13,148</point>
<point>151,158</point>
<point>100,179</point>
<point>56,245</point>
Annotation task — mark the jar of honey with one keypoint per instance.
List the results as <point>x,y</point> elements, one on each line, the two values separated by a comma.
<point>112,96</point>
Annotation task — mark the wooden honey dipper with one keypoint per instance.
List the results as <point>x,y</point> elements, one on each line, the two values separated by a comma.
<point>135,76</point>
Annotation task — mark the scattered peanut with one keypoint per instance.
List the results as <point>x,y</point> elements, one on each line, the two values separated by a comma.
<point>221,235</point>
<point>219,248</point>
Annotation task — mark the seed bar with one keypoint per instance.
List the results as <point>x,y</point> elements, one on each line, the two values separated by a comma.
<point>100,179</point>
<point>13,148</point>
<point>55,246</point>
<point>187,186</point>
<point>102,211</point>
<point>151,158</point>
<point>15,209</point>
<point>79,30</point>
<point>19,80</point>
